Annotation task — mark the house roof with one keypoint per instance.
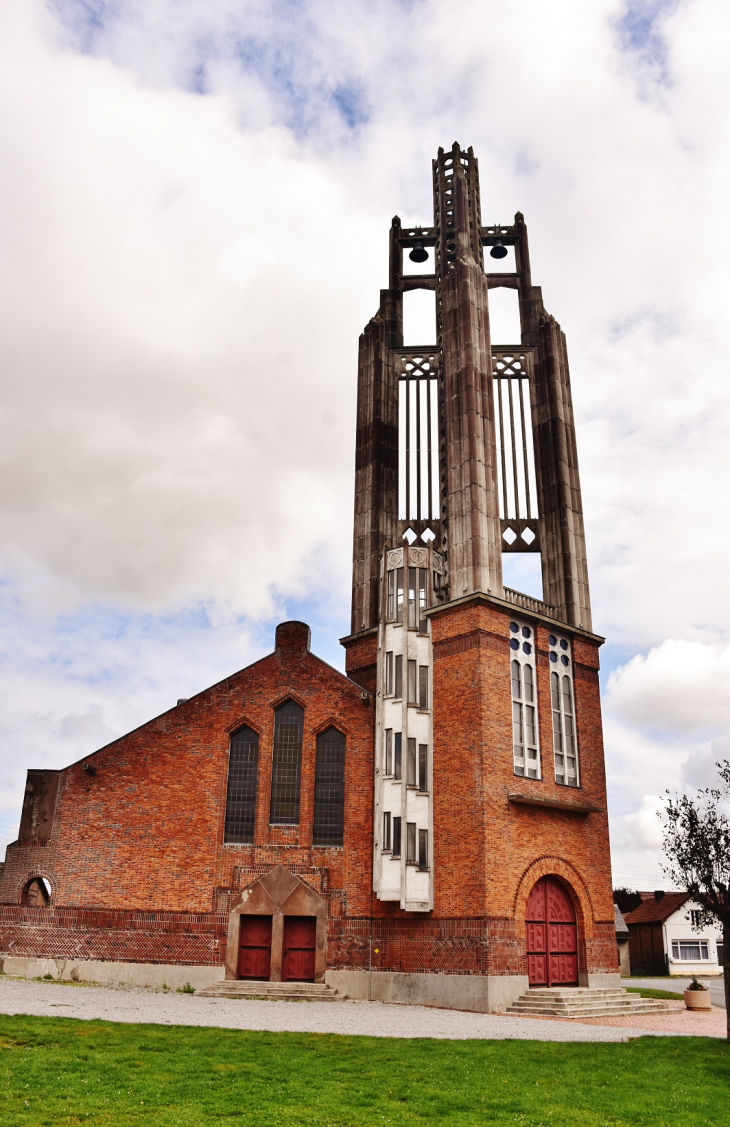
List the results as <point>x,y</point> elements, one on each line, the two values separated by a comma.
<point>657,911</point>
<point>619,922</point>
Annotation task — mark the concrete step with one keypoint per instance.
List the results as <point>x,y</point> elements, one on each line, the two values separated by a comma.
<point>582,1002</point>
<point>272,991</point>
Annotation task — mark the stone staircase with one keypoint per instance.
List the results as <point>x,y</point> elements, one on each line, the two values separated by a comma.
<point>580,1002</point>
<point>271,991</point>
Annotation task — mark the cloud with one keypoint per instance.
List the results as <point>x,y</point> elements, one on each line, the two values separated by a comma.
<point>194,203</point>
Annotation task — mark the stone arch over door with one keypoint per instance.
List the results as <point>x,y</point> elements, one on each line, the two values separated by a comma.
<point>278,894</point>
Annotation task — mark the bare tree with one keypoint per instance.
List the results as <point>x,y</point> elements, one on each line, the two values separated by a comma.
<point>697,848</point>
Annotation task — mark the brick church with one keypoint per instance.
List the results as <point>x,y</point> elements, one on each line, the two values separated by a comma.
<point>430,826</point>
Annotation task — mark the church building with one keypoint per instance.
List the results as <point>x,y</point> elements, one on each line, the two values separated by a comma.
<point>430,826</point>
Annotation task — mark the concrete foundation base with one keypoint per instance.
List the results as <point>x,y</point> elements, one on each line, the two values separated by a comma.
<point>114,974</point>
<point>611,981</point>
<point>479,993</point>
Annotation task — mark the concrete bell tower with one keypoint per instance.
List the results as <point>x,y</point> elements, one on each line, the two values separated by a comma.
<point>466,452</point>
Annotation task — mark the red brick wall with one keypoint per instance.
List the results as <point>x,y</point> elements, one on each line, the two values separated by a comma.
<point>146,830</point>
<point>137,862</point>
<point>488,852</point>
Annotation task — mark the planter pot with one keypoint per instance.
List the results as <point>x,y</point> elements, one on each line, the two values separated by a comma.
<point>697,999</point>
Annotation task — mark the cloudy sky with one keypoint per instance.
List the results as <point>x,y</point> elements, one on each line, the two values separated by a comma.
<point>194,204</point>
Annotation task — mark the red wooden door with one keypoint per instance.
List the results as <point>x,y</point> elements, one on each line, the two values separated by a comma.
<point>552,935</point>
<point>254,956</point>
<point>300,936</point>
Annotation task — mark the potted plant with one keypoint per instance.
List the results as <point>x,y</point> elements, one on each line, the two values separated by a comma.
<point>697,996</point>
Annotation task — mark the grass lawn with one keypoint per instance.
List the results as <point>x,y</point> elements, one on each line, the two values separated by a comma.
<point>645,992</point>
<point>56,1070</point>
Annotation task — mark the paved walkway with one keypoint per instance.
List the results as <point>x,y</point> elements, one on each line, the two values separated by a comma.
<point>374,1019</point>
<point>678,985</point>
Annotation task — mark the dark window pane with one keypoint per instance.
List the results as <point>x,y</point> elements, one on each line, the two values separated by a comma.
<point>386,831</point>
<point>412,598</point>
<point>411,841</point>
<point>423,686</point>
<point>391,596</point>
<point>287,764</point>
<point>241,797</point>
<point>398,676</point>
<point>397,754</point>
<point>423,849</point>
<point>329,789</point>
<point>412,682</point>
<point>423,767</point>
<point>388,751</point>
<point>396,837</point>
<point>422,599</point>
<point>411,765</point>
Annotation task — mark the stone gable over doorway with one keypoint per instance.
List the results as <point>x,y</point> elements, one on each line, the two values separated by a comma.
<point>278,894</point>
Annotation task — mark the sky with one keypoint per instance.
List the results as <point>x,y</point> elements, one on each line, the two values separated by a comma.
<point>194,207</point>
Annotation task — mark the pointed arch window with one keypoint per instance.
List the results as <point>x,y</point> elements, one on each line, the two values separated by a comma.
<point>243,762</point>
<point>565,746</point>
<point>329,789</point>
<point>525,740</point>
<point>286,768</point>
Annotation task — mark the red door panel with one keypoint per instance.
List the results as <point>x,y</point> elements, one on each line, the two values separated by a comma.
<point>552,935</point>
<point>300,938</point>
<point>254,956</point>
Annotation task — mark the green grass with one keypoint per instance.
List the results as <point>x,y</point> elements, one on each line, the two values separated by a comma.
<point>61,1071</point>
<point>646,993</point>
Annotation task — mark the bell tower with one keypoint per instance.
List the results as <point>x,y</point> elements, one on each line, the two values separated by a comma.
<point>487,709</point>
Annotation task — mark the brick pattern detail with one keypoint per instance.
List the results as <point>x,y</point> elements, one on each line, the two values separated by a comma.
<point>139,870</point>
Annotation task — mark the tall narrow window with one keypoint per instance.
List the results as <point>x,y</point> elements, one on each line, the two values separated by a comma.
<point>396,837</point>
<point>399,594</point>
<point>286,766</point>
<point>412,682</point>
<point>411,843</point>
<point>390,608</point>
<point>423,686</point>
<point>524,701</point>
<point>243,760</point>
<point>423,767</point>
<point>412,617</point>
<point>423,849</point>
<point>411,764</point>
<point>329,788</point>
<point>422,596</point>
<point>561,699</point>
<point>389,674</point>
<point>388,752</point>
<point>397,754</point>
<point>386,830</point>
<point>398,687</point>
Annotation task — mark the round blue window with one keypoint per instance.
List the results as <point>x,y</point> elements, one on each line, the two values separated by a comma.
<point>514,643</point>
<point>564,659</point>
<point>553,640</point>
<point>526,632</point>
<point>563,644</point>
<point>527,647</point>
<point>513,627</point>
<point>553,657</point>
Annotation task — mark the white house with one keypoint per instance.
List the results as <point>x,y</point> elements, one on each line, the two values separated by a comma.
<point>665,940</point>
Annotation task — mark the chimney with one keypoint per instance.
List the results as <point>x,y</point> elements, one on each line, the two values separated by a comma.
<point>659,894</point>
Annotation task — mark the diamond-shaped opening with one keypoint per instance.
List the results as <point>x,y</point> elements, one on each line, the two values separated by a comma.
<point>409,535</point>
<point>428,536</point>
<point>528,535</point>
<point>509,535</point>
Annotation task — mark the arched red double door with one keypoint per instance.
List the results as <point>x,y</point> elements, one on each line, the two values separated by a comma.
<point>552,935</point>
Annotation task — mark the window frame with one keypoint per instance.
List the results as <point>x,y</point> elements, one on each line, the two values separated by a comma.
<point>278,764</point>
<point>525,708</point>
<point>329,809</point>
<point>231,835</point>
<point>562,721</point>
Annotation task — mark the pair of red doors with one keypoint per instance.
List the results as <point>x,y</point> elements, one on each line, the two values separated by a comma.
<point>552,935</point>
<point>254,957</point>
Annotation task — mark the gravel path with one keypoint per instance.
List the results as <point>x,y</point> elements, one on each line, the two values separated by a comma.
<point>374,1019</point>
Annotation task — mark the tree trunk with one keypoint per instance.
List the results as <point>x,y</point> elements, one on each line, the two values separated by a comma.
<point>726,949</point>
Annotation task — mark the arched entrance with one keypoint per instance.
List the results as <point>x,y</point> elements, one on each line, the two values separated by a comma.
<point>552,935</point>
